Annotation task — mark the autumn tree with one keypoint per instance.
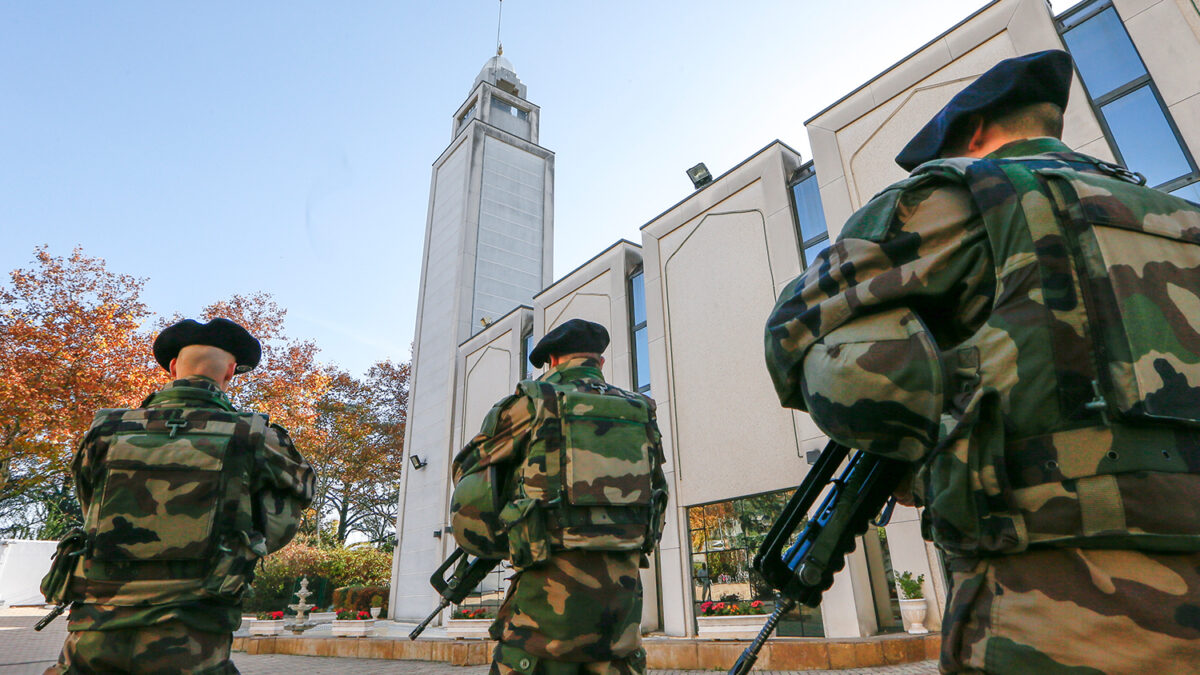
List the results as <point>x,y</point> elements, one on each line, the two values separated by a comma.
<point>70,343</point>
<point>288,382</point>
<point>361,426</point>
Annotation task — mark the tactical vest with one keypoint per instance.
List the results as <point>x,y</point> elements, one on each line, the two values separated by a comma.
<point>170,518</point>
<point>1076,414</point>
<point>590,479</point>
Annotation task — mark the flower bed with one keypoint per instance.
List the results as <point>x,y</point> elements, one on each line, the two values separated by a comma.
<point>735,608</point>
<point>470,622</point>
<point>267,623</point>
<point>735,620</point>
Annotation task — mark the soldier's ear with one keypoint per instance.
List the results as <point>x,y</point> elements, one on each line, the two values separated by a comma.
<point>230,370</point>
<point>172,369</point>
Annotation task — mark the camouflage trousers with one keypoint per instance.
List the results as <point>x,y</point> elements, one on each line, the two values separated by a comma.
<point>579,607</point>
<point>512,661</point>
<point>1075,612</point>
<point>163,648</point>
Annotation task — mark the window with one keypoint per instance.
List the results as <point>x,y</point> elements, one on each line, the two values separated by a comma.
<point>637,323</point>
<point>1137,124</point>
<point>526,348</point>
<point>467,116</point>
<point>810,216</point>
<point>501,106</point>
<point>724,538</point>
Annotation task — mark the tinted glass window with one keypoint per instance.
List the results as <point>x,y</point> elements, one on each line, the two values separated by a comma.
<point>1103,53</point>
<point>637,287</point>
<point>641,355</point>
<point>526,366</point>
<point>808,209</point>
<point>1189,192</point>
<point>811,253</point>
<point>1145,138</point>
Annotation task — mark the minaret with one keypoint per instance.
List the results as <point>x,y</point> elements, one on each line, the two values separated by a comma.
<point>488,246</point>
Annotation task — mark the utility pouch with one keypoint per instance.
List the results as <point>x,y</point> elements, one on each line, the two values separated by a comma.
<point>528,541</point>
<point>1137,256</point>
<point>233,569</point>
<point>56,582</point>
<point>658,520</point>
<point>160,498</point>
<point>606,450</point>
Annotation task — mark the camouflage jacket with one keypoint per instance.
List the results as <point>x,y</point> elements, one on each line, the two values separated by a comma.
<point>181,497</point>
<point>1042,437</point>
<point>565,603</point>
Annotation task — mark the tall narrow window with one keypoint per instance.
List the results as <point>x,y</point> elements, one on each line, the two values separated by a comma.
<point>1137,124</point>
<point>526,348</point>
<point>637,323</point>
<point>810,216</point>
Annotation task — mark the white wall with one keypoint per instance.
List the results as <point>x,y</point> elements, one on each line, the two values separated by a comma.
<point>23,563</point>
<point>855,140</point>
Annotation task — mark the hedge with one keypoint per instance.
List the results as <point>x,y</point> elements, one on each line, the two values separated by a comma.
<point>278,572</point>
<point>359,597</point>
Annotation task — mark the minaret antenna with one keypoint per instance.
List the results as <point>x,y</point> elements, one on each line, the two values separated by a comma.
<point>499,47</point>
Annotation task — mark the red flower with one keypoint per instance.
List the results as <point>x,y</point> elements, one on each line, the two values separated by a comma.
<point>277,615</point>
<point>756,604</point>
<point>719,606</point>
<point>705,606</point>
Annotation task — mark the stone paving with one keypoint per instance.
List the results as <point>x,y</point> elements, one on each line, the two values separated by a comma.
<point>26,652</point>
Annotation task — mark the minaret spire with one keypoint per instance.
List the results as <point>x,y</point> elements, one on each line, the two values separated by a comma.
<point>499,17</point>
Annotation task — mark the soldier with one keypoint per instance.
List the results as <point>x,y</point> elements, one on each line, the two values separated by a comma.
<point>181,497</point>
<point>565,480</point>
<point>1019,321</point>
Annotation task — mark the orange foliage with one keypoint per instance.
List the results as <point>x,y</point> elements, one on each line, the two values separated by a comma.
<point>360,448</point>
<point>69,344</point>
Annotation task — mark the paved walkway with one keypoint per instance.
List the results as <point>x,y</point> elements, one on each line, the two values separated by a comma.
<point>24,651</point>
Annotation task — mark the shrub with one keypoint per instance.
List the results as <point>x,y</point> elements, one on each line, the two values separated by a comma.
<point>361,597</point>
<point>910,588</point>
<point>268,616</point>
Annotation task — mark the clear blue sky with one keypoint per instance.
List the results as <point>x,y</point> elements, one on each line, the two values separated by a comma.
<point>230,147</point>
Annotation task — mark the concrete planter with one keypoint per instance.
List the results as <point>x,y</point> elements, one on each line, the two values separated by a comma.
<point>468,628</point>
<point>743,627</point>
<point>266,626</point>
<point>912,611</point>
<point>375,612</point>
<point>352,627</point>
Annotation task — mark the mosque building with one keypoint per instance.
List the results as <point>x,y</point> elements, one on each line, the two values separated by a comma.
<point>727,250</point>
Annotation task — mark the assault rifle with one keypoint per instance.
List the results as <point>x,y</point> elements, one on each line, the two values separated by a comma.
<point>803,570</point>
<point>454,589</point>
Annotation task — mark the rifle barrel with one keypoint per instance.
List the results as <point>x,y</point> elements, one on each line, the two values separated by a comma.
<point>432,615</point>
<point>746,661</point>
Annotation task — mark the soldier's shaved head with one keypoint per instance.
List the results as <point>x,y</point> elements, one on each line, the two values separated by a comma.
<point>214,363</point>
<point>556,359</point>
<point>979,135</point>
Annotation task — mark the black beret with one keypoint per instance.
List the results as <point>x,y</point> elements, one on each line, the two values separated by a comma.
<point>572,337</point>
<point>221,333</point>
<point>1041,77</point>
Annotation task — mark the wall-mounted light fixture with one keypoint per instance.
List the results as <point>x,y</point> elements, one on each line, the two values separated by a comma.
<point>699,175</point>
<point>417,462</point>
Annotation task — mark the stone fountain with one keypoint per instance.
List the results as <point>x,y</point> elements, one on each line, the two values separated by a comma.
<point>301,622</point>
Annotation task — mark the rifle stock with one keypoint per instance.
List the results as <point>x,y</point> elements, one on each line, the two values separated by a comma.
<point>468,573</point>
<point>801,566</point>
